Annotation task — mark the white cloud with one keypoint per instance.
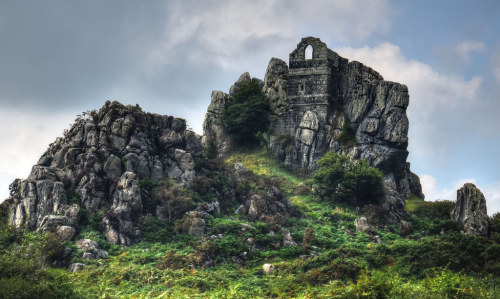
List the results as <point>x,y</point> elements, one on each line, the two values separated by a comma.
<point>436,99</point>
<point>429,89</point>
<point>433,192</point>
<point>464,49</point>
<point>233,33</point>
<point>492,194</point>
<point>25,135</point>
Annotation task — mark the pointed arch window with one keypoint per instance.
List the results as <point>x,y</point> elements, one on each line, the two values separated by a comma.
<point>308,53</point>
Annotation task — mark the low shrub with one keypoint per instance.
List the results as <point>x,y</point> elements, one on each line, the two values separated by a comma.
<point>343,179</point>
<point>173,261</point>
<point>454,250</point>
<point>154,230</point>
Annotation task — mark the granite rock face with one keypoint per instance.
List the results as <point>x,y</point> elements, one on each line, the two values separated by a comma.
<point>98,166</point>
<point>330,104</point>
<point>213,131</point>
<point>470,210</point>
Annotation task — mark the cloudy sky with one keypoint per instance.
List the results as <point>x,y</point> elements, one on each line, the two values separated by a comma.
<point>60,58</point>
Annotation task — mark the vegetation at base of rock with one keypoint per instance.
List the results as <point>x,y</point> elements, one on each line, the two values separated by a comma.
<point>430,209</point>
<point>421,263</point>
<point>343,179</point>
<point>246,114</point>
<point>26,260</point>
<point>347,134</point>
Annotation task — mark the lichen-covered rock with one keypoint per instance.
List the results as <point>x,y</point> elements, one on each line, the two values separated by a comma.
<point>287,239</point>
<point>257,207</point>
<point>76,267</point>
<point>98,165</point>
<point>244,78</point>
<point>361,225</point>
<point>194,223</point>
<point>91,250</point>
<point>214,137</point>
<point>211,208</point>
<point>65,233</point>
<point>275,84</point>
<point>470,210</point>
<point>268,269</point>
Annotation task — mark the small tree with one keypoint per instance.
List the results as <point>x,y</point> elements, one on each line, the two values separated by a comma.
<point>344,179</point>
<point>246,114</point>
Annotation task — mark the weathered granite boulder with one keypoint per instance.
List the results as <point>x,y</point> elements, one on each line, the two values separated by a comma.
<point>287,239</point>
<point>244,78</point>
<point>98,165</point>
<point>268,208</point>
<point>361,225</point>
<point>76,267</point>
<point>91,250</point>
<point>65,233</point>
<point>212,208</point>
<point>470,210</point>
<point>268,269</point>
<point>194,223</point>
<point>275,84</point>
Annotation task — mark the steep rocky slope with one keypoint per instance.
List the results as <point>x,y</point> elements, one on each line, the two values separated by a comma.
<point>119,164</point>
<point>98,166</point>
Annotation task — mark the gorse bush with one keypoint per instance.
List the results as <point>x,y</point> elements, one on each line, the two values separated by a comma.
<point>431,209</point>
<point>173,200</point>
<point>344,179</point>
<point>246,114</point>
<point>454,251</point>
<point>154,230</point>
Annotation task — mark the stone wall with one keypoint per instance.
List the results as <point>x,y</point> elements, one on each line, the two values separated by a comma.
<point>327,94</point>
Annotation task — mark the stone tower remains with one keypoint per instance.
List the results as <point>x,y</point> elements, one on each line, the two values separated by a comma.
<point>326,103</point>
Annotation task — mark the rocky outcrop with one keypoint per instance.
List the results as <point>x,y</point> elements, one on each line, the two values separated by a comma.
<point>330,104</point>
<point>287,239</point>
<point>215,139</point>
<point>470,210</point>
<point>76,267</point>
<point>268,269</point>
<point>272,207</point>
<point>98,166</point>
<point>361,225</point>
<point>91,250</point>
<point>194,223</point>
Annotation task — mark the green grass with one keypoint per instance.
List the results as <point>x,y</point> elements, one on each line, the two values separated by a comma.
<point>262,163</point>
<point>348,266</point>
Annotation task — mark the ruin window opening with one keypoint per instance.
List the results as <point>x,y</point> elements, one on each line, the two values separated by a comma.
<point>302,87</point>
<point>308,52</point>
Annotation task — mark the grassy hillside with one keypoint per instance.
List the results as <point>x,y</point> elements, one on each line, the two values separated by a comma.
<point>331,260</point>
